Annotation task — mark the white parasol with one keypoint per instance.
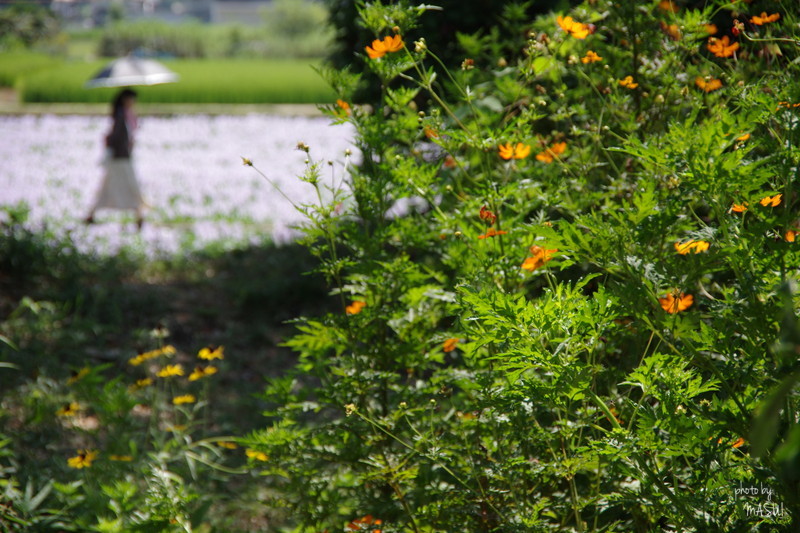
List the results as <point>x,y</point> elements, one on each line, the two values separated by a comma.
<point>127,71</point>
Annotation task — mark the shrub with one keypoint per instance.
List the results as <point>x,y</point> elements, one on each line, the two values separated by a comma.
<point>566,276</point>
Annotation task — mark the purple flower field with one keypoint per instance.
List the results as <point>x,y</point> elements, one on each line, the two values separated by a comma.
<point>190,172</point>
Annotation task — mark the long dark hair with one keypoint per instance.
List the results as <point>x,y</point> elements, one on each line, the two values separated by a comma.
<point>116,106</point>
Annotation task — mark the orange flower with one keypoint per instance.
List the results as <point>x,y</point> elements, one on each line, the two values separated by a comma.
<point>540,257</point>
<point>743,138</point>
<point>549,155</point>
<point>668,6</point>
<point>364,523</point>
<point>519,151</point>
<point>771,201</point>
<point>344,107</point>
<point>450,344</point>
<point>449,162</point>
<point>711,29</point>
<point>430,133</point>
<point>739,442</point>
<point>355,307</point>
<point>573,27</point>
<point>739,208</point>
<point>708,85</point>
<point>691,246</point>
<point>764,18</point>
<point>380,48</point>
<point>790,235</point>
<point>591,57</point>
<point>722,47</point>
<point>671,30</point>
<point>492,233</point>
<point>672,304</point>
<point>487,215</point>
<point>628,82</point>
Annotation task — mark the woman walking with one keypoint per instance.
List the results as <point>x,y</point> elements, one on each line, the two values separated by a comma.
<point>120,189</point>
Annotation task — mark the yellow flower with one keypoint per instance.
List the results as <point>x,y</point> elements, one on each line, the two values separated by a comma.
<point>491,232</point>
<point>539,258</point>
<point>519,151</point>
<point>185,398</point>
<point>765,19</point>
<point>253,454</point>
<point>628,82</point>
<point>549,155</point>
<point>676,303</point>
<point>69,409</point>
<point>227,444</point>
<point>122,458</point>
<point>201,372</point>
<point>722,47</point>
<point>771,201</point>
<point>170,371</point>
<point>672,30</point>
<point>77,376</point>
<point>573,27</point>
<point>152,354</point>
<point>344,107</point>
<point>691,247</point>
<point>83,459</point>
<point>355,307</point>
<point>668,6</point>
<point>591,57</point>
<point>450,344</point>
<point>380,48</point>
<point>708,85</point>
<point>210,352</point>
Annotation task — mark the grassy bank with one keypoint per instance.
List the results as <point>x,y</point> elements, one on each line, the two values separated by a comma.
<point>202,81</point>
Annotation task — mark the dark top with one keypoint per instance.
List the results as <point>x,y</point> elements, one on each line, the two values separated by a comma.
<point>119,139</point>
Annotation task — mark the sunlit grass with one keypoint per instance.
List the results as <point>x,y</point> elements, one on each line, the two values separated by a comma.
<point>202,81</point>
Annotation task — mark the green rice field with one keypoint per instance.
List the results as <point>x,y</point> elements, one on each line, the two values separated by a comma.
<point>244,81</point>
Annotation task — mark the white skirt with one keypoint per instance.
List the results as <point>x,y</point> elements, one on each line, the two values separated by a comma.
<point>119,190</point>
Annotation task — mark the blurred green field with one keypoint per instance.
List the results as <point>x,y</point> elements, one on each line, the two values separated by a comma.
<point>14,65</point>
<point>241,81</point>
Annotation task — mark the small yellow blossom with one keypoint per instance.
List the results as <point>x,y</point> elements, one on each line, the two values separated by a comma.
<point>708,85</point>
<point>591,57</point>
<point>550,154</point>
<point>691,247</point>
<point>509,151</point>
<point>450,345</point>
<point>210,352</point>
<point>77,376</point>
<point>201,372</point>
<point>184,398</point>
<point>170,371</point>
<point>227,444</point>
<point>573,27</point>
<point>771,201</point>
<point>356,307</point>
<point>69,409</point>
<point>253,454</point>
<point>722,47</point>
<point>628,82</point>
<point>83,459</point>
<point>121,458</point>
<point>142,383</point>
<point>380,48</point>
<point>764,18</point>
<point>539,258</point>
<point>672,303</point>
